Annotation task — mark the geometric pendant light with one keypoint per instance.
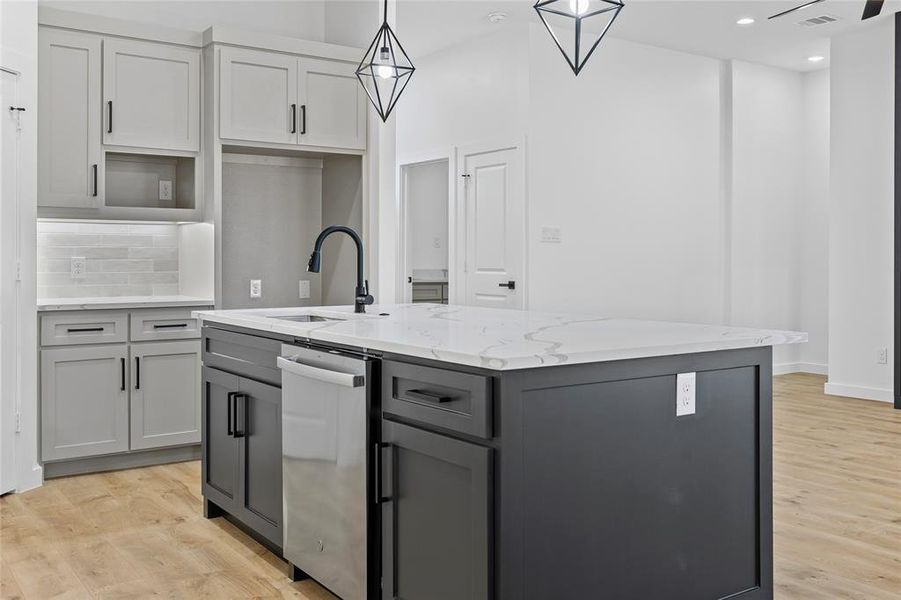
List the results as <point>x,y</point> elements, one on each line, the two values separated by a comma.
<point>385,69</point>
<point>577,26</point>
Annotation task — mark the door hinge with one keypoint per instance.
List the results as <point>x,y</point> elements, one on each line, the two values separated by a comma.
<point>18,422</point>
<point>18,271</point>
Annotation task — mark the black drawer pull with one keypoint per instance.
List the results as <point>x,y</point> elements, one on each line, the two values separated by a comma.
<point>427,396</point>
<point>109,125</point>
<point>84,329</point>
<point>94,167</point>
<point>137,372</point>
<point>303,119</point>
<point>170,326</point>
<point>122,387</point>
<point>379,498</point>
<point>510,285</point>
<point>293,118</point>
<point>240,417</point>
<point>230,428</point>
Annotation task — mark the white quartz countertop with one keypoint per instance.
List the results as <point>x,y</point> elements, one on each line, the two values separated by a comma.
<point>113,302</point>
<point>501,339</point>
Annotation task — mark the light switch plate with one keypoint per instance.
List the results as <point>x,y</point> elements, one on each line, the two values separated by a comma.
<point>685,394</point>
<point>77,267</point>
<point>165,189</point>
<point>551,235</point>
<point>304,289</point>
<point>256,288</point>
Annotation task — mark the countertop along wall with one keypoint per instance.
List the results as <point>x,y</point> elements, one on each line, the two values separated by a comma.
<point>633,161</point>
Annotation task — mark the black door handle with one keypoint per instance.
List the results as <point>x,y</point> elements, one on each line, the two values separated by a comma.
<point>137,372</point>
<point>95,181</point>
<point>122,386</point>
<point>230,429</point>
<point>510,285</point>
<point>303,119</point>
<point>240,417</point>
<point>379,498</point>
<point>170,326</point>
<point>83,329</point>
<point>293,118</point>
<point>409,280</point>
<point>109,124</point>
<point>427,396</point>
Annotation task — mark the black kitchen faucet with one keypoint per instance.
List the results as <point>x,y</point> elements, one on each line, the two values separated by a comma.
<point>361,296</point>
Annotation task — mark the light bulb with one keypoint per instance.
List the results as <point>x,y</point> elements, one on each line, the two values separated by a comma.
<point>578,7</point>
<point>384,71</point>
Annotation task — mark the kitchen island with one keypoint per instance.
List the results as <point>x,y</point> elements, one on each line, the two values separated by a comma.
<point>519,455</point>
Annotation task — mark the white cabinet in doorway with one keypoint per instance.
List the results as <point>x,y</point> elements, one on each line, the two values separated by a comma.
<point>70,158</point>
<point>332,105</point>
<point>165,380</point>
<point>151,95</point>
<point>84,401</point>
<point>257,96</point>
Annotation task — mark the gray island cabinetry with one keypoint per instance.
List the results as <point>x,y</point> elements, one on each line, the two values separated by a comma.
<point>579,478</point>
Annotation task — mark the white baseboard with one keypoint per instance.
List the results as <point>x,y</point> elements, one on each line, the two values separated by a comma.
<point>800,367</point>
<point>859,391</point>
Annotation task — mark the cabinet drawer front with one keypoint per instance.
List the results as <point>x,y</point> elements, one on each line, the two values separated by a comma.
<point>247,355</point>
<point>83,327</point>
<point>448,399</point>
<point>426,291</point>
<point>167,324</point>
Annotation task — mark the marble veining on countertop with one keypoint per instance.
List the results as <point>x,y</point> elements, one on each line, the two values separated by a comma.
<point>114,302</point>
<point>502,339</point>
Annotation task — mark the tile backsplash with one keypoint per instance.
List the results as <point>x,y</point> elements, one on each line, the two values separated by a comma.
<point>120,259</point>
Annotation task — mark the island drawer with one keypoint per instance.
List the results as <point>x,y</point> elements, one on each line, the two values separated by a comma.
<point>248,355</point>
<point>83,327</point>
<point>163,324</point>
<point>447,399</point>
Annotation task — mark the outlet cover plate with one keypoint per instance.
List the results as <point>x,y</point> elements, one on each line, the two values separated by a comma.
<point>256,288</point>
<point>165,189</point>
<point>304,289</point>
<point>77,267</point>
<point>685,394</point>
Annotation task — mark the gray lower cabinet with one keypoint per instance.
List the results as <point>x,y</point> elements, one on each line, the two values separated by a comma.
<point>165,381</point>
<point>242,451</point>
<point>436,516</point>
<point>84,401</point>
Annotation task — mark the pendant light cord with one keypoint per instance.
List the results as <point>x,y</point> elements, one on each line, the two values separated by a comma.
<point>386,12</point>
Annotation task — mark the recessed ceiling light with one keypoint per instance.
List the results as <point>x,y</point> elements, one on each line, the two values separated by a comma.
<point>817,58</point>
<point>745,21</point>
<point>496,17</point>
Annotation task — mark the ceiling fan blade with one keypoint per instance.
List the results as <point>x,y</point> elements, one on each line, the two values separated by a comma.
<point>791,10</point>
<point>872,9</point>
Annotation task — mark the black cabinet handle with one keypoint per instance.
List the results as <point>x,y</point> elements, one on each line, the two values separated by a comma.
<point>122,387</point>
<point>427,396</point>
<point>137,372</point>
<point>83,329</point>
<point>511,285</point>
<point>95,181</point>
<point>170,326</point>
<point>240,416</point>
<point>303,119</point>
<point>231,398</point>
<point>293,118</point>
<point>109,123</point>
<point>378,497</point>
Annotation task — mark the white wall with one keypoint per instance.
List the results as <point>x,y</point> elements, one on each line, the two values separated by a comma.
<point>861,250</point>
<point>426,201</point>
<point>18,50</point>
<point>302,19</point>
<point>351,22</point>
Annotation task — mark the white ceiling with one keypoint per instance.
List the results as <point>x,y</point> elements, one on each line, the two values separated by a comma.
<point>704,27</point>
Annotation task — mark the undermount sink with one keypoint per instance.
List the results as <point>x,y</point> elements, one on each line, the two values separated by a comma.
<point>304,318</point>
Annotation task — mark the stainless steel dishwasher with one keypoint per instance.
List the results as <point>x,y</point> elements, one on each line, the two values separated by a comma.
<point>325,434</point>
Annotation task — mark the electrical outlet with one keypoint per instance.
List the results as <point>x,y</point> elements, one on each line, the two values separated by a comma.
<point>551,235</point>
<point>77,267</point>
<point>256,288</point>
<point>436,242</point>
<point>165,189</point>
<point>882,356</point>
<point>685,394</point>
<point>304,289</point>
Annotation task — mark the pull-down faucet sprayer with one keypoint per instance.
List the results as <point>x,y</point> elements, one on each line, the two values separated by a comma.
<point>361,296</point>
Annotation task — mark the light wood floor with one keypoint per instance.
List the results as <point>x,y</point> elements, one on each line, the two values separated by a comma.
<point>140,533</point>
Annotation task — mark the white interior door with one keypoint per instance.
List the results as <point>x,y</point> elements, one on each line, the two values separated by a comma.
<point>493,192</point>
<point>9,176</point>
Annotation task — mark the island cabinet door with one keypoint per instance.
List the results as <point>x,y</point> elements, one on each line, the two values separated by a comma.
<point>436,516</point>
<point>258,426</point>
<point>220,446</point>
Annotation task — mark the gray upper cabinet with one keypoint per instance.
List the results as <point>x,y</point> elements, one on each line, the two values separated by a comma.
<point>436,519</point>
<point>151,95</point>
<point>70,159</point>
<point>84,401</point>
<point>165,381</point>
<point>332,105</point>
<point>257,96</point>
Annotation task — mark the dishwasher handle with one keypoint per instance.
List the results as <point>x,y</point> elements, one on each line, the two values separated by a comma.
<point>334,377</point>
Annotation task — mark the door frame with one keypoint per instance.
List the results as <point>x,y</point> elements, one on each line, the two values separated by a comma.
<point>458,293</point>
<point>403,290</point>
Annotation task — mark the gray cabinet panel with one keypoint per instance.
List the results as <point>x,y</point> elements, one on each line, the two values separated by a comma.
<point>259,421</point>
<point>243,354</point>
<point>165,381</point>
<point>221,459</point>
<point>436,526</point>
<point>83,327</point>
<point>164,324</point>
<point>84,401</point>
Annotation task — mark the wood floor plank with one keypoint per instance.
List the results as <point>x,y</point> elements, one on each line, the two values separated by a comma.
<point>141,534</point>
